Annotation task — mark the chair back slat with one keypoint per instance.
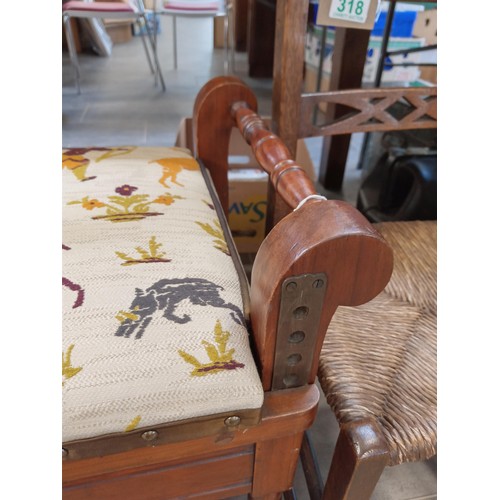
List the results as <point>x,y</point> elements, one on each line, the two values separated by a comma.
<point>371,110</point>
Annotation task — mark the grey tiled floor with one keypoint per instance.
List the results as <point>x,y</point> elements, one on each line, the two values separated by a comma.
<point>120,105</point>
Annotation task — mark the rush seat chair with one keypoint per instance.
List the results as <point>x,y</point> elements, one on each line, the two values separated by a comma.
<point>377,367</point>
<point>179,379</point>
<point>133,9</point>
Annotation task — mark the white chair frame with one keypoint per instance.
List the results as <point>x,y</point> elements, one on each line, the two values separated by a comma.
<point>226,11</point>
<point>139,15</point>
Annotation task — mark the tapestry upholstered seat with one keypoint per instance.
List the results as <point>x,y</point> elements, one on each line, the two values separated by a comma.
<point>155,314</point>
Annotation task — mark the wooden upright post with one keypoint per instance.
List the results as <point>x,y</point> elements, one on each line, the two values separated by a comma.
<point>349,56</point>
<point>289,47</point>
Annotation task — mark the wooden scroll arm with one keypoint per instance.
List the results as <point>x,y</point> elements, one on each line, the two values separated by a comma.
<point>289,179</point>
<point>212,125</point>
<point>323,237</point>
<point>323,242</point>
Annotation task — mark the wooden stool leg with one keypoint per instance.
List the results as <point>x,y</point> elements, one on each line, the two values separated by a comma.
<point>274,467</point>
<point>358,461</point>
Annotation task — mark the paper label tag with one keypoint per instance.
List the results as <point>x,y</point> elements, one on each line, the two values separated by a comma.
<point>354,11</point>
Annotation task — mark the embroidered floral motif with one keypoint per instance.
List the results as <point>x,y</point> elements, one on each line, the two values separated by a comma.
<point>74,159</point>
<point>133,424</point>
<point>217,233</point>
<point>80,292</point>
<point>167,199</point>
<point>68,370</point>
<point>172,167</point>
<point>91,204</point>
<point>166,295</point>
<point>126,207</point>
<point>125,190</point>
<point>220,358</point>
<point>147,257</point>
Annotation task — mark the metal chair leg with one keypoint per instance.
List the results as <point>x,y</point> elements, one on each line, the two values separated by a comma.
<point>174,26</point>
<point>72,51</point>
<point>155,54</point>
<point>226,53</point>
<point>230,13</point>
<point>148,56</point>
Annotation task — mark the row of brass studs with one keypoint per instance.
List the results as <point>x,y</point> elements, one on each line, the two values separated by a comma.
<point>148,436</point>
<point>297,336</point>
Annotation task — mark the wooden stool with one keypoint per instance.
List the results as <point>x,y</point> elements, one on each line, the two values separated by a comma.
<point>180,380</point>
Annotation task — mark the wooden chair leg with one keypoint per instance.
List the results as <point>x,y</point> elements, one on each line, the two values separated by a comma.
<point>360,456</point>
<point>274,467</point>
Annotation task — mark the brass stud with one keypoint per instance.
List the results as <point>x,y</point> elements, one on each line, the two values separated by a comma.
<point>296,337</point>
<point>301,312</point>
<point>290,287</point>
<point>232,421</point>
<point>291,380</point>
<point>149,435</point>
<point>318,284</point>
<point>293,359</point>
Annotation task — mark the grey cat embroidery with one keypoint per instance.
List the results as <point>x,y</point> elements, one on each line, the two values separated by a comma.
<point>165,295</point>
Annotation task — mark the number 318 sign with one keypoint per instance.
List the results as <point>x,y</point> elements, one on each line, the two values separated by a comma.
<point>350,10</point>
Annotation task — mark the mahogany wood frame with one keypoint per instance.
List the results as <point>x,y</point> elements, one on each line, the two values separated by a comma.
<point>321,236</point>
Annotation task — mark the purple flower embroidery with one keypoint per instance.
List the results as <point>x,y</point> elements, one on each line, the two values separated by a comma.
<point>125,190</point>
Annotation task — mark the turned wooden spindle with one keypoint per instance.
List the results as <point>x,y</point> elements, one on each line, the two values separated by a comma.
<point>289,179</point>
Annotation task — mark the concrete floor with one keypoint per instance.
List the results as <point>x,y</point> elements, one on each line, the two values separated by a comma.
<point>120,105</point>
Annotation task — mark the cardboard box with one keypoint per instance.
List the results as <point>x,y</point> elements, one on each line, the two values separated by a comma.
<point>218,32</point>
<point>247,186</point>
<point>119,32</point>
<point>398,74</point>
<point>429,74</point>
<point>426,26</point>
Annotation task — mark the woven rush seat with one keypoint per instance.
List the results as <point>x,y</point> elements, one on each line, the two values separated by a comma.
<point>154,315</point>
<point>379,360</point>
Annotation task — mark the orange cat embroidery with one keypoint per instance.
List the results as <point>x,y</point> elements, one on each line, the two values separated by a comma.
<point>172,167</point>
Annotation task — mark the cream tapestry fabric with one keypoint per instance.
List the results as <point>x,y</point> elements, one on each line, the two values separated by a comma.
<point>153,329</point>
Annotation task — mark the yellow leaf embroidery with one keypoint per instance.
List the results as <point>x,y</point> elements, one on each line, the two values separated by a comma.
<point>133,424</point>
<point>219,359</point>
<point>145,257</point>
<point>190,359</point>
<point>68,370</point>
<point>217,233</point>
